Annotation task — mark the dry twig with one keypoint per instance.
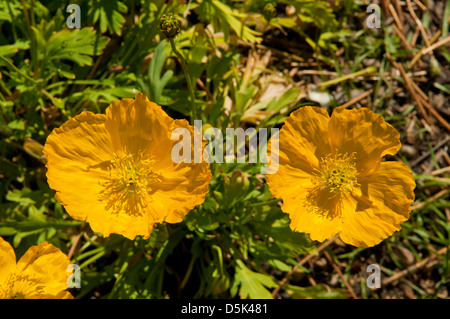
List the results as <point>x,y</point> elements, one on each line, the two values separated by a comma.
<point>341,275</point>
<point>74,246</point>
<point>357,99</point>
<point>414,267</point>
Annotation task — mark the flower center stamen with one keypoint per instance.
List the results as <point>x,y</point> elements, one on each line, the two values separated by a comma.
<point>337,174</point>
<point>15,285</point>
<point>130,180</point>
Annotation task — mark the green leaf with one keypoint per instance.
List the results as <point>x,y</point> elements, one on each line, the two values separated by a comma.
<point>224,18</point>
<point>35,214</point>
<point>109,15</point>
<point>109,94</point>
<point>24,196</point>
<point>11,49</point>
<point>76,45</point>
<point>18,124</point>
<point>155,83</point>
<point>63,69</point>
<point>317,12</point>
<point>315,292</point>
<point>7,231</point>
<point>278,264</point>
<point>252,284</point>
<point>289,240</point>
<point>31,226</point>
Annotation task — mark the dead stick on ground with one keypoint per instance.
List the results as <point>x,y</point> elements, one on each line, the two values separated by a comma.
<point>414,267</point>
<point>415,36</point>
<point>302,262</point>
<point>441,171</point>
<point>357,99</point>
<point>431,199</point>
<point>418,22</point>
<point>420,5</point>
<point>402,37</point>
<point>428,153</point>
<point>74,246</point>
<point>436,115</point>
<point>419,91</point>
<point>398,8</point>
<point>395,16</point>
<point>341,275</point>
<point>408,46</point>
<point>385,5</point>
<point>436,45</point>
<point>411,90</point>
<point>427,50</point>
<point>410,86</point>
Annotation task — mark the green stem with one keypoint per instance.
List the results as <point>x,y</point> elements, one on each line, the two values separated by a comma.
<point>13,67</point>
<point>368,70</point>
<point>4,88</point>
<point>188,80</point>
<point>188,273</point>
<point>12,19</point>
<point>33,42</point>
<point>273,201</point>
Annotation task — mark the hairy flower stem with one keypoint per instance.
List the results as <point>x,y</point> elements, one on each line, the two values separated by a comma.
<point>188,80</point>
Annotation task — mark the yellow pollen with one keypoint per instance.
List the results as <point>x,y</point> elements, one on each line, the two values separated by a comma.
<point>130,180</point>
<point>337,174</point>
<point>14,286</point>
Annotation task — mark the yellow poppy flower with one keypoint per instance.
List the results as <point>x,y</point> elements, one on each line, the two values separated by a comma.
<point>115,171</point>
<point>331,178</point>
<point>41,273</point>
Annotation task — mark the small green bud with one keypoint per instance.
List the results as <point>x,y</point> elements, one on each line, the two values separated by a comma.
<point>435,67</point>
<point>269,11</point>
<point>220,284</point>
<point>170,25</point>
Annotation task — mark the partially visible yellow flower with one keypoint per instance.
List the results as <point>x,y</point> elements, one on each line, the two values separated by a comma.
<point>41,273</point>
<point>332,180</point>
<point>115,171</point>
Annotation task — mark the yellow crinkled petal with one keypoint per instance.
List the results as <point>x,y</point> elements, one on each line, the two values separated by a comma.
<point>43,272</point>
<point>76,154</point>
<point>7,260</point>
<point>289,182</point>
<point>303,141</point>
<point>380,208</point>
<point>138,125</point>
<point>313,211</point>
<point>183,186</point>
<point>304,137</point>
<point>142,126</point>
<point>292,176</point>
<point>64,295</point>
<point>127,224</point>
<point>365,133</point>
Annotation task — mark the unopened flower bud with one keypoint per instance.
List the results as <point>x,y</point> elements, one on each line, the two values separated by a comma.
<point>269,11</point>
<point>170,25</point>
